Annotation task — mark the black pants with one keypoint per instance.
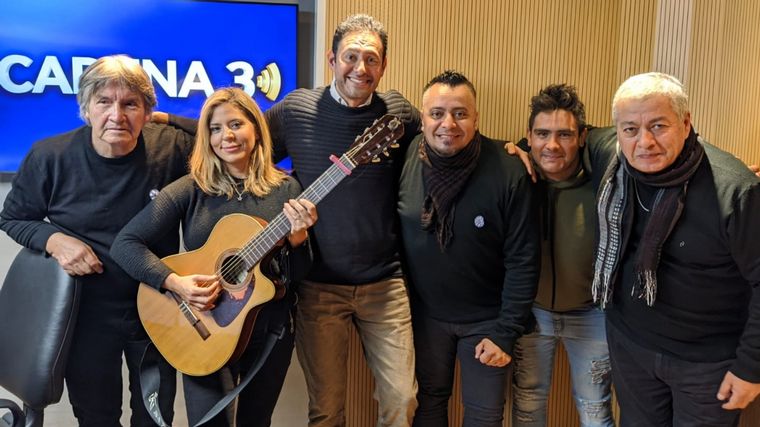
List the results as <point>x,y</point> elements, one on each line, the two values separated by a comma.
<point>655,389</point>
<point>438,345</point>
<point>257,400</point>
<point>93,373</point>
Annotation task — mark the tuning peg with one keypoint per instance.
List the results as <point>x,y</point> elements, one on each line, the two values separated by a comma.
<point>394,145</point>
<point>376,159</point>
<point>386,153</point>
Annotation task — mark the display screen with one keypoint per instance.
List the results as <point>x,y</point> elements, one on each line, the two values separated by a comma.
<point>188,47</point>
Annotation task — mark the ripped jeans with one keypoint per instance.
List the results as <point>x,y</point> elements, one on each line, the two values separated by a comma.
<point>583,335</point>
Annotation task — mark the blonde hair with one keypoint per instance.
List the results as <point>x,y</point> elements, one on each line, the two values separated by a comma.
<point>642,86</point>
<point>208,170</point>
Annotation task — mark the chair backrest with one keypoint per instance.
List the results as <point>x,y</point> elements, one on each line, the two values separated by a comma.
<point>38,309</point>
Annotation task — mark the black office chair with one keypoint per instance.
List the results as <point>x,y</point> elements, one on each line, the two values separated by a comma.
<point>38,310</point>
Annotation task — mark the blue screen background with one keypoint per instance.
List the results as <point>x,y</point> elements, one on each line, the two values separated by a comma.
<point>214,33</point>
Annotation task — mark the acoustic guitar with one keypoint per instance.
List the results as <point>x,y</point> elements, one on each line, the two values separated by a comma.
<point>202,342</point>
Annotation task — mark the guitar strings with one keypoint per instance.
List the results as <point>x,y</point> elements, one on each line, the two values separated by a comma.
<point>249,247</point>
<point>279,220</point>
<point>329,173</point>
<point>308,194</point>
<point>247,250</point>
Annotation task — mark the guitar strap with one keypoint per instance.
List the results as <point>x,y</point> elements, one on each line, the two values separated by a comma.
<point>150,379</point>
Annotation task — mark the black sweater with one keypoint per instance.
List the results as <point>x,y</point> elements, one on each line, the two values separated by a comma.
<point>63,185</point>
<point>708,305</point>
<point>356,239</point>
<point>490,268</point>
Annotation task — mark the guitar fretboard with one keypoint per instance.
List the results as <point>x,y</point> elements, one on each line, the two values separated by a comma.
<point>279,227</point>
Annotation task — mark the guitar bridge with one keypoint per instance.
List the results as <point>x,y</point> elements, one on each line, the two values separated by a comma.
<point>193,319</point>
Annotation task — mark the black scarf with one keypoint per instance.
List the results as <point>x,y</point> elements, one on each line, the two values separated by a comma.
<point>615,209</point>
<point>444,178</point>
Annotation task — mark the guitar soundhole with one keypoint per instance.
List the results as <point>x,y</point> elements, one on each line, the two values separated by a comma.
<point>234,271</point>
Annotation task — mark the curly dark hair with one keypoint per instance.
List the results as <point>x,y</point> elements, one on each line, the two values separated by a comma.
<point>558,97</point>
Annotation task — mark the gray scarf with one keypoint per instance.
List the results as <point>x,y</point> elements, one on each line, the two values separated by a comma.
<point>615,210</point>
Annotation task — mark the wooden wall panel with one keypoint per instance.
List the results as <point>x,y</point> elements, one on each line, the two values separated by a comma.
<point>711,45</point>
<point>511,48</point>
<point>673,38</point>
<point>636,27</point>
<point>707,66</point>
<point>724,88</point>
<point>361,407</point>
<point>561,406</point>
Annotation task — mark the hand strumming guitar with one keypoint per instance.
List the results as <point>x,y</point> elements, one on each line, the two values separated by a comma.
<point>199,290</point>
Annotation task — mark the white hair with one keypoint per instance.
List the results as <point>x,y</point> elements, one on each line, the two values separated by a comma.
<point>642,86</point>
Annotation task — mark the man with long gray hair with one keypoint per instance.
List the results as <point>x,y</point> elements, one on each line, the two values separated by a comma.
<point>70,197</point>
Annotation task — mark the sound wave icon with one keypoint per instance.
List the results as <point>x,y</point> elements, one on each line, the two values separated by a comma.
<point>269,81</point>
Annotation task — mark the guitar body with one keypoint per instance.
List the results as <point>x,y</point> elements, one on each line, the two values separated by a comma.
<point>202,342</point>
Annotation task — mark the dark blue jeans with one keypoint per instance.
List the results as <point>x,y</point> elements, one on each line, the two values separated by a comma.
<point>93,373</point>
<point>656,389</point>
<point>437,346</point>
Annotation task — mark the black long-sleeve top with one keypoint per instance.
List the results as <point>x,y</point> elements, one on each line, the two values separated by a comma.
<point>64,185</point>
<point>490,268</point>
<point>708,299</point>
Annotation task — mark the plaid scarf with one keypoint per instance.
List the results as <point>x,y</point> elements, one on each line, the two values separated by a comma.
<point>616,219</point>
<point>444,178</point>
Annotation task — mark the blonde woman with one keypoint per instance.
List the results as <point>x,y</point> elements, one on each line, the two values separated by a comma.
<point>231,171</point>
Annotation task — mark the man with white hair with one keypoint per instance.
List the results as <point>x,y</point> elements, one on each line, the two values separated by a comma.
<point>678,265</point>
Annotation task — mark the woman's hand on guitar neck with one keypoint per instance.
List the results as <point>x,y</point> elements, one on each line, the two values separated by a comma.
<point>198,290</point>
<point>301,214</point>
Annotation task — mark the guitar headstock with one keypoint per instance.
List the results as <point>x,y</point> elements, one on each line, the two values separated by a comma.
<point>376,140</point>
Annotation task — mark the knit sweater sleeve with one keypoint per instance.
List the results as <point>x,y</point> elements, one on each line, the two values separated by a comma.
<point>743,229</point>
<point>276,120</point>
<point>522,260</point>
<point>25,208</point>
<point>132,247</point>
<point>185,124</point>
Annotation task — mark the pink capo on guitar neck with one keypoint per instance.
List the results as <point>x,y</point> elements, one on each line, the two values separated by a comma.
<point>339,164</point>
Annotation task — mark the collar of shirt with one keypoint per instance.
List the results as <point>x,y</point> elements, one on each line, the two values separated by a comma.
<point>336,96</point>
